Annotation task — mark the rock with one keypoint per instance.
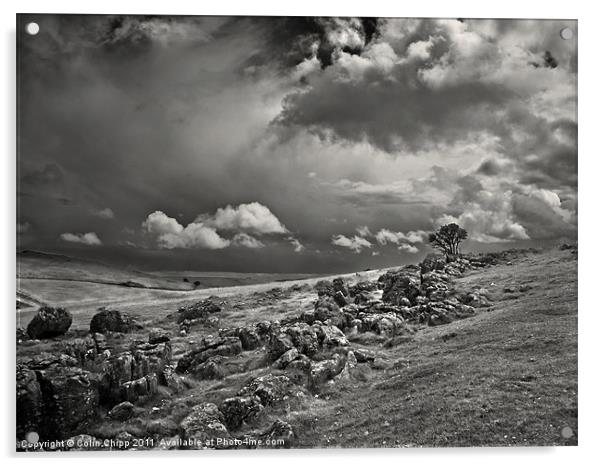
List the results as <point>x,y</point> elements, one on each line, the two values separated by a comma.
<point>338,285</point>
<point>210,369</point>
<point>162,427</point>
<point>209,347</point>
<point>249,337</point>
<point>303,337</point>
<point>204,424</point>
<point>298,370</point>
<point>432,262</point>
<point>327,310</point>
<point>389,324</point>
<point>239,409</point>
<point>70,400</point>
<point>278,344</point>
<point>158,335</point>
<point>324,288</point>
<point>29,402</point>
<point>279,434</point>
<point>107,320</point>
<point>323,371</point>
<point>331,336</point>
<point>199,310</point>
<point>49,322</point>
<point>439,319</point>
<point>363,355</point>
<point>270,389</point>
<point>340,298</point>
<point>398,285</point>
<point>309,317</point>
<point>122,412</point>
<point>144,386</point>
<point>286,358</point>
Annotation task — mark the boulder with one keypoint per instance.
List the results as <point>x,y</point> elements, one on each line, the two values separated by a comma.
<point>209,347</point>
<point>323,371</point>
<point>249,337</point>
<point>49,322</point>
<point>239,409</point>
<point>338,285</point>
<point>122,411</point>
<point>270,389</point>
<point>278,344</point>
<point>340,298</point>
<point>286,358</point>
<point>158,335</point>
<point>107,320</point>
<point>204,424</point>
<point>210,369</point>
<point>303,337</point>
<point>199,310</point>
<point>398,285</point>
<point>432,262</point>
<point>70,400</point>
<point>331,336</point>
<point>328,311</point>
<point>142,387</point>
<point>29,402</point>
<point>324,288</point>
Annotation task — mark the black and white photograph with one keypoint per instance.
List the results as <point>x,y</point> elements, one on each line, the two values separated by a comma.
<point>295,232</point>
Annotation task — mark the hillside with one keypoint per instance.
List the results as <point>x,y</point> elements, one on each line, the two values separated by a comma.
<point>415,366</point>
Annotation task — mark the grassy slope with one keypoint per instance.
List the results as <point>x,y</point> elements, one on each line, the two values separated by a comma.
<point>504,377</point>
<point>507,376</point>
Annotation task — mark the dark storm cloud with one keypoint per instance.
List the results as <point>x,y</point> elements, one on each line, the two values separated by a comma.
<point>329,123</point>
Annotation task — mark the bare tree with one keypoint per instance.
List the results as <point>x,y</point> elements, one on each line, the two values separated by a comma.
<point>448,238</point>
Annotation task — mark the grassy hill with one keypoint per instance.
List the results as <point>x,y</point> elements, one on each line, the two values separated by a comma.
<point>505,377</point>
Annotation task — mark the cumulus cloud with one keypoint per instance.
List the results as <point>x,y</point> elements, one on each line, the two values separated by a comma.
<point>171,234</point>
<point>253,217</point>
<point>408,248</point>
<point>90,239</point>
<point>247,241</point>
<point>297,245</point>
<point>363,231</point>
<point>385,236</point>
<point>356,243</point>
<point>106,213</point>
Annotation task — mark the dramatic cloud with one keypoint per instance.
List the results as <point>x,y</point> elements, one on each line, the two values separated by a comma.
<point>171,234</point>
<point>287,132</point>
<point>408,248</point>
<point>247,241</point>
<point>253,217</point>
<point>356,244</point>
<point>90,239</point>
<point>385,236</point>
<point>363,231</point>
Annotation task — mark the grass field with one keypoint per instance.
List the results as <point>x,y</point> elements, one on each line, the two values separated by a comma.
<point>505,377</point>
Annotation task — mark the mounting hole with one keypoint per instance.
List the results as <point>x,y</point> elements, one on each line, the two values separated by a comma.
<point>566,33</point>
<point>32,28</point>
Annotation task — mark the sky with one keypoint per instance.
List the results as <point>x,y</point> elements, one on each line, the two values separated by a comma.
<point>273,144</point>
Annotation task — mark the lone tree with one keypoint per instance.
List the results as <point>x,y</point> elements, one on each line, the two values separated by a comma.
<point>448,238</point>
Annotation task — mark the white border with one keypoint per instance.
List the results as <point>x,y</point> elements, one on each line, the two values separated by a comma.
<point>590,325</point>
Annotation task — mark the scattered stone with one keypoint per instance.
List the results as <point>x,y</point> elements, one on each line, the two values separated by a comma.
<point>107,320</point>
<point>204,424</point>
<point>122,412</point>
<point>199,310</point>
<point>278,432</point>
<point>270,388</point>
<point>158,335</point>
<point>323,371</point>
<point>49,322</point>
<point>286,358</point>
<point>239,409</point>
